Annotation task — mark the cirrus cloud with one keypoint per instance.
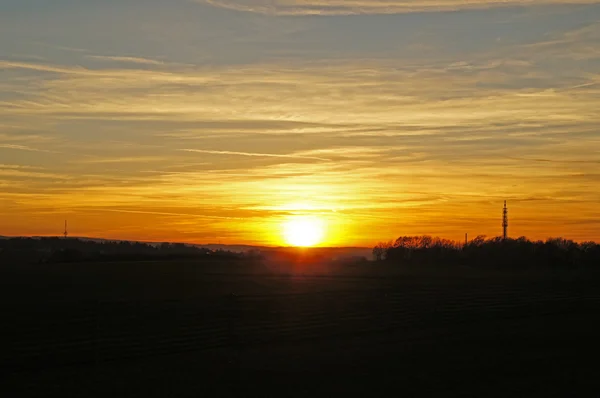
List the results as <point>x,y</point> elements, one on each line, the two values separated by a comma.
<point>348,7</point>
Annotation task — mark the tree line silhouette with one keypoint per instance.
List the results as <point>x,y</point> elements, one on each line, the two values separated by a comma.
<point>494,252</point>
<point>518,253</point>
<point>58,250</point>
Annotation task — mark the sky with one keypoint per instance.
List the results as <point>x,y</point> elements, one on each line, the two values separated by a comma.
<point>218,121</point>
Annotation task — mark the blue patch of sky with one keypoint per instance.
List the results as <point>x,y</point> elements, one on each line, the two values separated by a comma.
<point>182,31</point>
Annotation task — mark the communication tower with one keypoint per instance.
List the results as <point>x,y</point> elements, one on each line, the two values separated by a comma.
<point>505,222</point>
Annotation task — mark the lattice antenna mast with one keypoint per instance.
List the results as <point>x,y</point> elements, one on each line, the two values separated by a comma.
<point>66,233</point>
<point>505,222</point>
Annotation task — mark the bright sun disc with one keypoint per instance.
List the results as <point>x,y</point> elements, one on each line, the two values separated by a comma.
<point>304,232</point>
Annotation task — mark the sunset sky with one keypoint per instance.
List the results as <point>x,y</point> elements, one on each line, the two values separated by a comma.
<point>214,121</point>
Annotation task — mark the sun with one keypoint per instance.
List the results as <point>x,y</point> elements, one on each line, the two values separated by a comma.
<point>303,231</point>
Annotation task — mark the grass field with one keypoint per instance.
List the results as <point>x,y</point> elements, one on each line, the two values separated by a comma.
<point>181,329</point>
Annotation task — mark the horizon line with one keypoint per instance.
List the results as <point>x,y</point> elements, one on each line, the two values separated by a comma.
<point>185,243</point>
<point>283,246</point>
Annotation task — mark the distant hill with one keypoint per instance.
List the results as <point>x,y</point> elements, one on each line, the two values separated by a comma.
<point>232,248</point>
<point>330,251</point>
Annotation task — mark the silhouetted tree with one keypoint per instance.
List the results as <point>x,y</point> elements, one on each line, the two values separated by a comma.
<point>509,253</point>
<point>380,250</point>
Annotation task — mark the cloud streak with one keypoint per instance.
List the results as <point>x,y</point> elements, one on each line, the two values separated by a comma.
<point>350,7</point>
<point>22,148</point>
<point>133,60</point>
<point>256,154</point>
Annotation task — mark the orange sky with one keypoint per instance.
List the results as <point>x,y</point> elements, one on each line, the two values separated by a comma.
<point>216,121</point>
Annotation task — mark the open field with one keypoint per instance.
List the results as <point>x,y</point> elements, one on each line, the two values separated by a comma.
<point>179,329</point>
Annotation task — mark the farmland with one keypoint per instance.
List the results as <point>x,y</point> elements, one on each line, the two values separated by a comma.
<point>182,329</point>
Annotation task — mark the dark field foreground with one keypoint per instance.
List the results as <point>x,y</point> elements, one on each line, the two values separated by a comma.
<point>160,330</point>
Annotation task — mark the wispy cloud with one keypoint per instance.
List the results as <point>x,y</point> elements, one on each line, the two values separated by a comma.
<point>22,148</point>
<point>256,154</point>
<point>164,213</point>
<point>564,161</point>
<point>347,7</point>
<point>19,167</point>
<point>118,159</point>
<point>24,173</point>
<point>44,67</point>
<point>134,60</point>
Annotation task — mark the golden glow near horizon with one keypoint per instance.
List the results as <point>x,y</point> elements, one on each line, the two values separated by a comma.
<point>304,231</point>
<point>379,121</point>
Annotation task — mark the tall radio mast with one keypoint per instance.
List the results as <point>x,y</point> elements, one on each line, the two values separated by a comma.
<point>505,222</point>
